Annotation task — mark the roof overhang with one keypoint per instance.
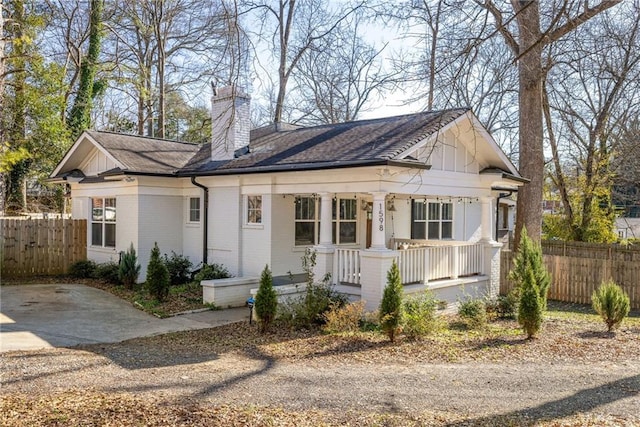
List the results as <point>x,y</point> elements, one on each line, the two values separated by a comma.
<point>77,153</point>
<point>301,167</point>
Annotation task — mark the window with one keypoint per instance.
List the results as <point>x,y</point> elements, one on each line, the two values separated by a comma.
<point>431,220</point>
<point>305,221</point>
<point>194,209</point>
<point>103,222</point>
<point>254,209</point>
<point>345,212</point>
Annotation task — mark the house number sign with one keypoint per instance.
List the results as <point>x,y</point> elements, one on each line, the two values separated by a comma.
<point>381,217</point>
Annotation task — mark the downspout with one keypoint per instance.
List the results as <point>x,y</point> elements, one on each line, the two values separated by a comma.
<point>205,223</point>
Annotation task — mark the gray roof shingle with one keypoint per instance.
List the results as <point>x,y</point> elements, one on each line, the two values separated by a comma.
<point>146,155</point>
<point>344,144</point>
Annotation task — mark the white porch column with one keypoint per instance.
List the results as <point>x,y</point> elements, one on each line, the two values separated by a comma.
<point>324,249</point>
<point>374,265</point>
<point>325,219</point>
<point>379,221</point>
<point>487,222</point>
<point>492,267</point>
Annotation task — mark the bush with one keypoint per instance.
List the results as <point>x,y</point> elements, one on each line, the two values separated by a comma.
<point>212,272</point>
<point>533,281</point>
<point>84,269</point>
<point>308,310</point>
<point>530,310</point>
<point>504,306</point>
<point>157,282</point>
<point>108,272</point>
<point>420,316</point>
<point>391,304</point>
<point>266,303</point>
<point>346,318</point>
<point>179,267</point>
<point>129,269</point>
<point>507,305</point>
<point>473,312</point>
<point>529,256</point>
<point>611,303</point>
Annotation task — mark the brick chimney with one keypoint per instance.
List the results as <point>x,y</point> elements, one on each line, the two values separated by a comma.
<point>230,122</point>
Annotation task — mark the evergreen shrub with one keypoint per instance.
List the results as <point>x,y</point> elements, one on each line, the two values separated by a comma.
<point>157,282</point>
<point>266,301</point>
<point>420,317</point>
<point>391,309</point>
<point>611,303</point>
<point>473,313</point>
<point>129,269</point>
<point>179,267</point>
<point>84,269</point>
<point>108,272</point>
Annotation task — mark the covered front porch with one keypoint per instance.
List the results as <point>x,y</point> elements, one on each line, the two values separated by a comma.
<point>448,267</point>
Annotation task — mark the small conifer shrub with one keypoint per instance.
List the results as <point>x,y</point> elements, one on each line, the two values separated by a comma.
<point>157,282</point>
<point>530,309</point>
<point>129,269</point>
<point>611,303</point>
<point>266,302</point>
<point>391,310</point>
<point>533,280</point>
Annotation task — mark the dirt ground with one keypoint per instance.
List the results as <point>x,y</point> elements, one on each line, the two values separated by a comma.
<point>574,374</point>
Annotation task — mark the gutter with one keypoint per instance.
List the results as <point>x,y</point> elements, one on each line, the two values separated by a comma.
<point>205,222</point>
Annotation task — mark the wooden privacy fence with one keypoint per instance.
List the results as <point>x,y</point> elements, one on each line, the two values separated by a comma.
<point>577,269</point>
<point>30,247</point>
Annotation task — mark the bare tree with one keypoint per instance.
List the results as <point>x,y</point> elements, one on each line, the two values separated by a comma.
<point>522,30</point>
<point>160,45</point>
<point>335,82</point>
<point>291,28</point>
<point>588,96</point>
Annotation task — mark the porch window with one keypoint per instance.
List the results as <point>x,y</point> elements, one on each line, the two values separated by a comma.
<point>194,209</point>
<point>431,220</point>
<point>305,221</point>
<point>254,209</point>
<point>103,222</point>
<point>345,213</point>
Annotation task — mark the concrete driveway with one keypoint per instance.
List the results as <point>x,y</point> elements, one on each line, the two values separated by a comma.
<point>41,316</point>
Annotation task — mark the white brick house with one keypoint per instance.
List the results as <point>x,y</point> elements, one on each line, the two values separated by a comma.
<point>421,188</point>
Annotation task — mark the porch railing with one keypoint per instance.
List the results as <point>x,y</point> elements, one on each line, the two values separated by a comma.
<point>418,265</point>
<point>440,262</point>
<point>346,267</point>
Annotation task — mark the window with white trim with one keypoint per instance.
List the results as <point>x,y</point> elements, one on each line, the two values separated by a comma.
<point>194,209</point>
<point>306,223</point>
<point>254,209</point>
<point>103,222</point>
<point>345,214</point>
<point>431,220</point>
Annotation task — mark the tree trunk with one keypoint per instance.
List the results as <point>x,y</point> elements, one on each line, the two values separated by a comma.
<point>531,157</point>
<point>80,115</point>
<point>15,199</point>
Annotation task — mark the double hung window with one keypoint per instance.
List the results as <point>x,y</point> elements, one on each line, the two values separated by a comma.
<point>103,222</point>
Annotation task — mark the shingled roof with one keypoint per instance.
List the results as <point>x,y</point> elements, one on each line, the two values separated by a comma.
<point>145,155</point>
<point>357,143</point>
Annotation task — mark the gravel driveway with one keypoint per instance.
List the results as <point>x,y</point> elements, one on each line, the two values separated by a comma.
<point>477,390</point>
